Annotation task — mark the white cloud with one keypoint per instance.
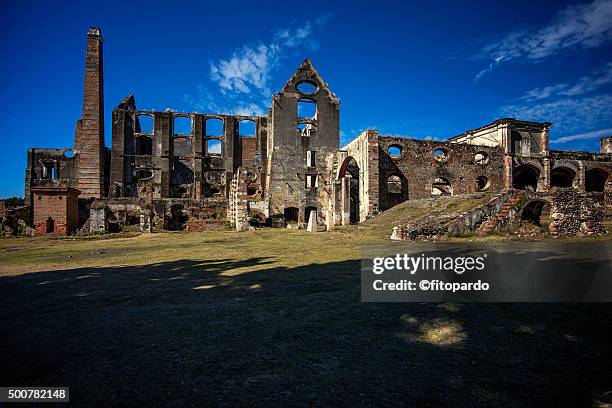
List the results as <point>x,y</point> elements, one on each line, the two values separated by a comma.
<point>585,84</point>
<point>596,134</point>
<point>240,84</point>
<point>207,101</point>
<point>568,114</point>
<point>250,67</point>
<point>580,26</point>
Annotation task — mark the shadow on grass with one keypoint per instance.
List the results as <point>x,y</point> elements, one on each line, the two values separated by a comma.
<point>184,333</point>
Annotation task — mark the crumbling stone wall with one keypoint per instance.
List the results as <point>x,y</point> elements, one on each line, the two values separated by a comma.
<point>419,168</point>
<point>575,213</point>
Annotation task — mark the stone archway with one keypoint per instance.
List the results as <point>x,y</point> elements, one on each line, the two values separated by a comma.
<point>525,176</point>
<point>349,177</point>
<point>595,180</point>
<point>562,177</point>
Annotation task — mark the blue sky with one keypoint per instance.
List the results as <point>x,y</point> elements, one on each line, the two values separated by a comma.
<point>406,68</point>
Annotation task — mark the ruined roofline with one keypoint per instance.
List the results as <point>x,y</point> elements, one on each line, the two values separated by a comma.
<point>190,114</point>
<point>308,65</point>
<point>497,122</point>
<point>581,152</point>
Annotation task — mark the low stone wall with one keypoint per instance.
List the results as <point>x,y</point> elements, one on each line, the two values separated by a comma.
<point>469,221</point>
<point>436,226</point>
<point>575,213</point>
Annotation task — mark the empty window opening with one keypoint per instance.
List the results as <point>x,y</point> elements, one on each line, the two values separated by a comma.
<point>311,157</point>
<point>213,147</point>
<point>532,212</point>
<point>214,127</point>
<point>525,177</point>
<point>306,129</point>
<point>246,128</point>
<point>441,187</point>
<point>132,219</point>
<point>481,158</point>
<point>251,189</point>
<point>394,185</point>
<point>595,180</point>
<point>482,183</point>
<point>441,155</point>
<point>562,177</point>
<point>48,170</point>
<point>307,211</point>
<point>307,109</point>
<point>311,180</point>
<point>516,143</point>
<point>143,174</point>
<point>394,151</point>
<point>182,125</point>
<point>144,146</point>
<point>177,218</point>
<point>291,214</point>
<point>307,87</point>
<point>144,124</point>
<point>50,225</point>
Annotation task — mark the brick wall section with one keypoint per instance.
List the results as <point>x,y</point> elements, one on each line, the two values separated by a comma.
<point>59,204</point>
<point>89,136</point>
<point>248,148</point>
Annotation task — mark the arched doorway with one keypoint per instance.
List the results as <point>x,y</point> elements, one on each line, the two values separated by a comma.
<point>562,177</point>
<point>525,177</point>
<point>349,174</point>
<point>177,218</point>
<point>595,180</point>
<point>308,210</point>
<point>291,214</point>
<point>396,191</point>
<point>533,210</point>
<point>50,227</point>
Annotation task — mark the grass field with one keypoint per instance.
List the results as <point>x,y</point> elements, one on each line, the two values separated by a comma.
<point>274,318</point>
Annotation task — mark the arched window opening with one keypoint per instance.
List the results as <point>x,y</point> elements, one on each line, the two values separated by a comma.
<point>307,87</point>
<point>144,124</point>
<point>525,177</point>
<point>213,147</point>
<point>143,174</point>
<point>394,185</point>
<point>441,155</point>
<point>182,125</point>
<point>214,127</point>
<point>562,177</point>
<point>595,180</point>
<point>482,183</point>
<point>481,158</point>
<point>307,109</point>
<point>394,151</point>
<point>441,187</point>
<point>246,128</point>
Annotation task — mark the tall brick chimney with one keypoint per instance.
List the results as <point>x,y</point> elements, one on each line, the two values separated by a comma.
<point>89,135</point>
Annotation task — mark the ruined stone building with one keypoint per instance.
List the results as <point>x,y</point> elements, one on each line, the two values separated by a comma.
<point>179,170</point>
